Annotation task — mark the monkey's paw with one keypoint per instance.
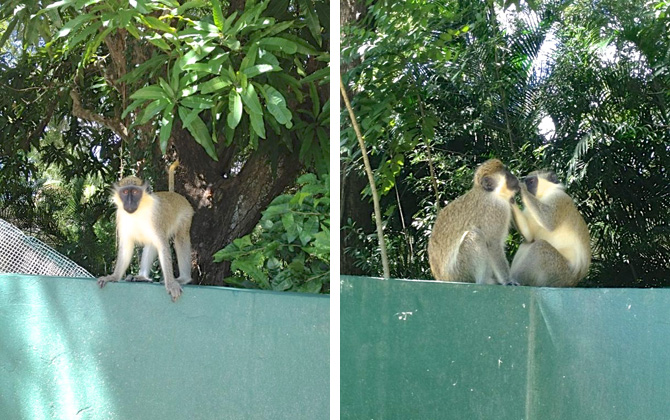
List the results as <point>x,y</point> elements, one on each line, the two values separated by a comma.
<point>512,283</point>
<point>174,289</point>
<point>102,281</point>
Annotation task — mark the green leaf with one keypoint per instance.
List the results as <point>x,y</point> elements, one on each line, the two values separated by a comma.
<point>166,128</point>
<point>288,221</point>
<point>187,115</point>
<point>227,253</point>
<point>159,42</point>
<point>157,24</point>
<point>276,104</point>
<point>197,102</point>
<point>249,267</point>
<point>257,124</point>
<point>235,108</point>
<point>8,32</point>
<point>313,24</point>
<point>218,14</point>
<point>259,69</point>
<point>310,287</point>
<point>84,34</point>
<point>199,131</point>
<point>275,210</point>
<point>152,109</point>
<point>132,107</point>
<point>150,92</point>
<point>73,24</point>
<point>190,5</point>
<point>167,88</point>
<point>243,242</point>
<point>306,146</point>
<point>250,58</point>
<point>283,281</point>
<point>205,26</point>
<point>322,75</point>
<point>250,99</point>
<point>279,44</point>
<point>215,84</point>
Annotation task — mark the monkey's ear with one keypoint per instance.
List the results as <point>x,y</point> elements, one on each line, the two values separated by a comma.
<point>148,189</point>
<point>488,183</point>
<point>553,178</point>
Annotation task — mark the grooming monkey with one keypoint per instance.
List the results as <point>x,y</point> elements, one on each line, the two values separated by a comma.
<point>557,250</point>
<point>468,239</point>
<point>152,220</point>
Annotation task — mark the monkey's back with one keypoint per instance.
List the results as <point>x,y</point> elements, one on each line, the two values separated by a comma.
<point>474,211</point>
<point>172,210</point>
<point>162,211</point>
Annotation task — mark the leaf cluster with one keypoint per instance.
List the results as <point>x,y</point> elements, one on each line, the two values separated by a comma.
<point>289,249</point>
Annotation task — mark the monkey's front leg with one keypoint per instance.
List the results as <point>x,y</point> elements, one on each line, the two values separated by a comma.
<point>171,285</point>
<point>123,258</point>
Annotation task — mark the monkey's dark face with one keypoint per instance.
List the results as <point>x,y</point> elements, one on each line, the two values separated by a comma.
<point>532,181</point>
<point>130,197</point>
<point>531,184</point>
<point>512,181</point>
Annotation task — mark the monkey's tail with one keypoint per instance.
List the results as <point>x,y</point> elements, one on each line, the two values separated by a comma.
<point>171,170</point>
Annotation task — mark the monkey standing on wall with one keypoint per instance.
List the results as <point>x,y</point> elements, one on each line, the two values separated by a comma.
<point>468,239</point>
<point>557,250</point>
<point>152,219</point>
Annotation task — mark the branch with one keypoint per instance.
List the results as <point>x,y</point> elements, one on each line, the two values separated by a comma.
<point>371,180</point>
<point>79,111</point>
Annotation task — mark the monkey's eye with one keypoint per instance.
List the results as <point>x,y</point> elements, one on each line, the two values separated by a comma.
<point>124,192</point>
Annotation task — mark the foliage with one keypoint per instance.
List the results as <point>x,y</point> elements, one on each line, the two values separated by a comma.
<point>603,85</point>
<point>289,249</point>
<point>120,81</point>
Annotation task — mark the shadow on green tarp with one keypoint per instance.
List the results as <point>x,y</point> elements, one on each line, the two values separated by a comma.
<point>69,350</point>
<point>432,350</point>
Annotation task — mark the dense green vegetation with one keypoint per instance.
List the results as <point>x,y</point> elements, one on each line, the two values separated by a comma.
<point>237,91</point>
<point>579,87</point>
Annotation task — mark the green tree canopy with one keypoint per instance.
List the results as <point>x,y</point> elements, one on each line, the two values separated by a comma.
<point>549,84</point>
<point>96,88</point>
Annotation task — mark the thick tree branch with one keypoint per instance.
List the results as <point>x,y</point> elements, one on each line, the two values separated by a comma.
<point>79,111</point>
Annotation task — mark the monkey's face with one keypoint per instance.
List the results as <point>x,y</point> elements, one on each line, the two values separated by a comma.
<point>512,182</point>
<point>130,198</point>
<point>501,183</point>
<point>539,183</point>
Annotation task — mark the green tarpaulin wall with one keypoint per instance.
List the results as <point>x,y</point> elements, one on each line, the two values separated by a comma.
<point>69,350</point>
<point>431,350</point>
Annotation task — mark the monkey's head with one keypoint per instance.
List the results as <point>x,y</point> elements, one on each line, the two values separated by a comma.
<point>541,183</point>
<point>129,192</point>
<point>494,177</point>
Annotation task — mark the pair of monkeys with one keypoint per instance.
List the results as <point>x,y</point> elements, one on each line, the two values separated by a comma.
<point>152,219</point>
<point>468,239</point>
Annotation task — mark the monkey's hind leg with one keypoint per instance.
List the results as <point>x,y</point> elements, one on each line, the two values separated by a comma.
<point>182,247</point>
<point>540,264</point>
<point>473,261</point>
<point>149,254</point>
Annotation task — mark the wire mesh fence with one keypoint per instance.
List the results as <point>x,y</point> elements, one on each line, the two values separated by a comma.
<point>24,254</point>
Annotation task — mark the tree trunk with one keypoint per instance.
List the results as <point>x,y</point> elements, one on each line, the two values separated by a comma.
<point>227,203</point>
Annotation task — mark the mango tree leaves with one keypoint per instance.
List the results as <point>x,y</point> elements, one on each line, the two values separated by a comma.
<point>239,71</point>
<point>290,247</point>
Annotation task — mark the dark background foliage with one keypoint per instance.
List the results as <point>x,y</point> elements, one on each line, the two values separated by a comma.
<point>454,83</point>
<point>236,90</point>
